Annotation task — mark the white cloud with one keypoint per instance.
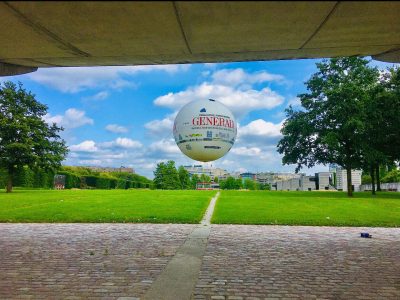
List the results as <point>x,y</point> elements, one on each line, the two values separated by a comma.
<point>260,127</point>
<point>116,128</point>
<point>241,170</point>
<point>246,151</point>
<point>72,118</point>
<point>121,143</point>
<point>91,162</point>
<point>227,162</point>
<point>165,146</point>
<point>76,79</point>
<point>158,127</point>
<point>85,146</point>
<point>99,96</point>
<point>210,65</point>
<point>127,143</point>
<point>240,102</point>
<point>295,102</point>
<point>236,77</point>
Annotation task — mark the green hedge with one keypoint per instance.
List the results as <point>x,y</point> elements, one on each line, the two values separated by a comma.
<point>90,181</point>
<point>28,178</point>
<point>103,183</point>
<point>121,184</point>
<point>71,180</point>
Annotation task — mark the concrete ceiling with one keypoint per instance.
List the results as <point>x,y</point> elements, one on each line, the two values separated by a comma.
<point>52,34</point>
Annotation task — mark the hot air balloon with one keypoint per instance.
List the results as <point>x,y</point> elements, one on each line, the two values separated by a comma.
<point>205,130</point>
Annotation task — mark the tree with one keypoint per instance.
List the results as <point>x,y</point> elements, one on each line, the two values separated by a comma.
<point>264,187</point>
<point>330,128</point>
<point>249,184</point>
<point>194,180</point>
<point>184,178</point>
<point>25,138</point>
<point>392,176</point>
<point>166,176</point>
<point>205,178</point>
<point>381,142</point>
<point>231,183</point>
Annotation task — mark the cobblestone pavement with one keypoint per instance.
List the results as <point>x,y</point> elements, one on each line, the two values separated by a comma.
<point>298,262</point>
<point>84,261</point>
<point>121,261</point>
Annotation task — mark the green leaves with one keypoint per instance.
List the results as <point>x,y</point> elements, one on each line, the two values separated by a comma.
<point>166,176</point>
<point>25,138</point>
<point>330,128</point>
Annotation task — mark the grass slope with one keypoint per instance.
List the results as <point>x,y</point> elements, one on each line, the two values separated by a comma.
<point>104,206</point>
<point>308,208</point>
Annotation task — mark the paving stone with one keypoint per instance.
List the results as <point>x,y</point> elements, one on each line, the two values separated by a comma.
<point>122,261</point>
<point>54,261</point>
<point>301,262</point>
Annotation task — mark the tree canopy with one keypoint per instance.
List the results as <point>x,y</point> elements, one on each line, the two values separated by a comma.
<point>331,126</point>
<point>166,176</point>
<point>25,138</point>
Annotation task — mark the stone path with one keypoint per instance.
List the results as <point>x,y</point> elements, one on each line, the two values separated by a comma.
<point>180,275</point>
<point>84,261</point>
<point>238,262</point>
<point>210,210</point>
<point>298,262</point>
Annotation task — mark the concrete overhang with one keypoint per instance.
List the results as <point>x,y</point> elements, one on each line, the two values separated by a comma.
<point>53,34</point>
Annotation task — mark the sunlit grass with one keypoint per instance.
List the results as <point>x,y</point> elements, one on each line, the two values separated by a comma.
<point>104,206</point>
<point>308,208</point>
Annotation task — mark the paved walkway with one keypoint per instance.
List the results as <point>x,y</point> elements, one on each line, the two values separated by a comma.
<point>297,262</point>
<point>123,261</point>
<point>180,275</point>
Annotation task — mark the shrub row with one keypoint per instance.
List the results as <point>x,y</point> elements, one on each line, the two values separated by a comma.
<point>26,177</point>
<point>74,181</point>
<point>43,179</point>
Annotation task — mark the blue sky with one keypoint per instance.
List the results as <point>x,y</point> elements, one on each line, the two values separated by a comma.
<point>123,116</point>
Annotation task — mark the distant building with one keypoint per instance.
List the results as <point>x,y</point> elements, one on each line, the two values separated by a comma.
<point>247,175</point>
<point>320,181</point>
<point>341,179</point>
<point>109,169</point>
<point>324,181</point>
<point>213,173</point>
<point>265,178</point>
<point>335,179</point>
<point>272,177</point>
<point>207,186</point>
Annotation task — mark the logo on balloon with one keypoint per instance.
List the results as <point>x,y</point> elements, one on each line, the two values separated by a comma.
<point>208,127</point>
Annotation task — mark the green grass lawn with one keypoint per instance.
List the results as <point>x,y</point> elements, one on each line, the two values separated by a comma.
<point>104,206</point>
<point>308,208</point>
<point>233,207</point>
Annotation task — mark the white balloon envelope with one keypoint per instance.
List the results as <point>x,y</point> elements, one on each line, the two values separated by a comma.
<point>205,130</point>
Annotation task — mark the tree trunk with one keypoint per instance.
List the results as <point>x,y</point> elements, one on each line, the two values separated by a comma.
<point>378,179</point>
<point>372,172</point>
<point>10,180</point>
<point>349,187</point>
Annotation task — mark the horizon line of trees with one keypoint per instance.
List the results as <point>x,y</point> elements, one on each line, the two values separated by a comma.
<point>168,177</point>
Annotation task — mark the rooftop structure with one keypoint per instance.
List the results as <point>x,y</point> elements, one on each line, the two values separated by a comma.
<point>213,173</point>
<point>44,34</point>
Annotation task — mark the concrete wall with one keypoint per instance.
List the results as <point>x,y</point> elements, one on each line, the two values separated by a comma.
<point>296,184</point>
<point>307,184</point>
<point>323,180</point>
<point>341,179</point>
<point>394,186</point>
